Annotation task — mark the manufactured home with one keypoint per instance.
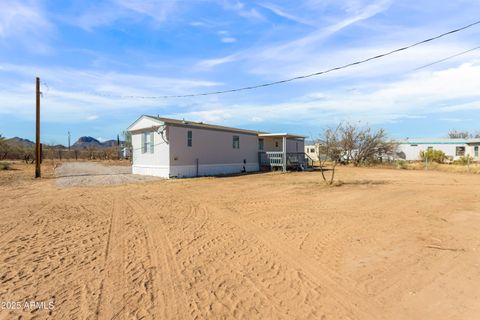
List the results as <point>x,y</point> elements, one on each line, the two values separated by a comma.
<point>178,148</point>
<point>410,149</point>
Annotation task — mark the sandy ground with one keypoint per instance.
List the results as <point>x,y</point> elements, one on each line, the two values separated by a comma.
<point>387,244</point>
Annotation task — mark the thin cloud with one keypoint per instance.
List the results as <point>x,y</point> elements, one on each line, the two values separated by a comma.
<point>294,50</point>
<point>282,13</point>
<point>228,39</point>
<point>25,23</point>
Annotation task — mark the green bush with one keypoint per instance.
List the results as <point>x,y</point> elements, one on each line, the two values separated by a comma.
<point>5,166</point>
<point>402,164</point>
<point>433,155</point>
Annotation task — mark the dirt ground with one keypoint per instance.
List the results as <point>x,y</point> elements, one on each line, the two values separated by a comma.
<point>386,244</point>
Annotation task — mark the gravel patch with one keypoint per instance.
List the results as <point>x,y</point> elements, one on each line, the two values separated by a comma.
<point>74,174</point>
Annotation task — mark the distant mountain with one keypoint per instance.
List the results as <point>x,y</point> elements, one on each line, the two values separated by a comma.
<point>81,144</point>
<point>111,143</point>
<point>58,146</point>
<point>92,143</point>
<point>20,142</point>
<point>87,143</point>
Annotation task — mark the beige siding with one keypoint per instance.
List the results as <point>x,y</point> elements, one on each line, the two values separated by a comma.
<point>210,147</point>
<point>292,145</point>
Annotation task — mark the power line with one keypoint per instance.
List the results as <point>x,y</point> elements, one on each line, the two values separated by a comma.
<point>447,58</point>
<point>268,84</point>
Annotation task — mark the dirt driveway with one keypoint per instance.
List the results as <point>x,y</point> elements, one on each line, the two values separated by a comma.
<point>71,174</point>
<point>387,244</point>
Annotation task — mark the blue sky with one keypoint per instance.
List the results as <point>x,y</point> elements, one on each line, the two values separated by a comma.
<point>84,50</point>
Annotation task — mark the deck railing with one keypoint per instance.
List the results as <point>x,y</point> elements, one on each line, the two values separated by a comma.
<point>294,160</point>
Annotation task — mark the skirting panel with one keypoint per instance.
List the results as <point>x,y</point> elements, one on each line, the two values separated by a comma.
<point>211,169</point>
<point>158,171</point>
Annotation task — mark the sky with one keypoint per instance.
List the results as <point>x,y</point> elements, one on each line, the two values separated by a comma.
<point>93,56</point>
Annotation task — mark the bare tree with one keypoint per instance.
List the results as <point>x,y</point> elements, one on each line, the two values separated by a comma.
<point>370,146</point>
<point>349,140</point>
<point>350,143</point>
<point>454,134</point>
<point>361,145</point>
<point>330,150</point>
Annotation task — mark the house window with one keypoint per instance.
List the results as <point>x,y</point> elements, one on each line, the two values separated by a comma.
<point>152,145</point>
<point>459,151</point>
<point>189,138</point>
<point>414,145</point>
<point>148,142</point>
<point>260,144</point>
<point>312,150</point>
<point>475,150</point>
<point>276,143</point>
<point>236,142</point>
<point>144,142</point>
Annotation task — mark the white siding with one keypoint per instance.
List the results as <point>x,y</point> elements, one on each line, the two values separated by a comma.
<point>308,150</point>
<point>156,163</point>
<point>412,150</point>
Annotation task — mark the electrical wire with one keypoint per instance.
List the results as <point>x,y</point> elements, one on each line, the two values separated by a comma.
<point>268,84</point>
<point>447,58</point>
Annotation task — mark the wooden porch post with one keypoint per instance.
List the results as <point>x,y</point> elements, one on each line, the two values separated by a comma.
<point>284,149</point>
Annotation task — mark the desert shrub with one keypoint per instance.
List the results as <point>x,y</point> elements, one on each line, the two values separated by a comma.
<point>5,166</point>
<point>464,160</point>
<point>433,155</point>
<point>402,164</point>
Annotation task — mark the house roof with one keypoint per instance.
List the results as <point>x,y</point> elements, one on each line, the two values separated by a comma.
<point>281,135</point>
<point>193,124</point>
<point>187,123</point>
<point>434,141</point>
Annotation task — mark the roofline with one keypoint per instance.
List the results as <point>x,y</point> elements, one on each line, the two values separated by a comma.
<point>284,134</point>
<point>431,142</point>
<point>141,117</point>
<point>201,125</point>
<point>207,126</point>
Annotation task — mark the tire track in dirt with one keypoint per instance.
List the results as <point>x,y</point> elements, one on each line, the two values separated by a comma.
<point>128,289</point>
<point>257,285</point>
<point>112,284</point>
<point>169,296</point>
<point>322,277</point>
<point>39,215</point>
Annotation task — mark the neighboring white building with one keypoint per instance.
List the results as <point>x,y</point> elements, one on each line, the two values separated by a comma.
<point>178,148</point>
<point>311,150</point>
<point>410,149</point>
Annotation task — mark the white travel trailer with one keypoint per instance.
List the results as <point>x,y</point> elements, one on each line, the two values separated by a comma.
<point>177,148</point>
<point>312,151</point>
<point>410,149</point>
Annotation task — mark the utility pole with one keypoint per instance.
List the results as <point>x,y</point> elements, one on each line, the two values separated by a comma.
<point>37,135</point>
<point>69,141</point>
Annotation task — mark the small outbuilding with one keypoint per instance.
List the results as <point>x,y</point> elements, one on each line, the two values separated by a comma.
<point>178,148</point>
